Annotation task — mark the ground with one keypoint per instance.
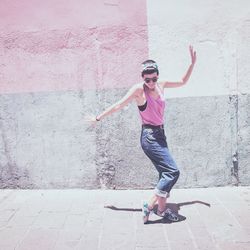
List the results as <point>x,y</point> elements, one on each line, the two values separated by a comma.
<point>212,218</point>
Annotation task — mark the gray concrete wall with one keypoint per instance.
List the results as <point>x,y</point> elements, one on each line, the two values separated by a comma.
<point>49,146</point>
<point>47,88</point>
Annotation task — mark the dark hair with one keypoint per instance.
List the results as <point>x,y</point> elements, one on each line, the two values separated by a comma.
<point>149,67</point>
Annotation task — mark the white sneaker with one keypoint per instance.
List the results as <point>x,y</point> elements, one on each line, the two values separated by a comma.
<point>169,214</point>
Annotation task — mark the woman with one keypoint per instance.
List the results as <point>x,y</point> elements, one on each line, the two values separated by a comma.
<point>149,96</point>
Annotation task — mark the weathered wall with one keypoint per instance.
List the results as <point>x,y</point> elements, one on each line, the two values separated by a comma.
<point>208,119</point>
<point>61,60</point>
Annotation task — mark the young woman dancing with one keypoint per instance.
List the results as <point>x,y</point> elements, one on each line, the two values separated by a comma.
<point>149,97</point>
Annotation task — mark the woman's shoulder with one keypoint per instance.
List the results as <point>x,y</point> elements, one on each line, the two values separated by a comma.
<point>138,87</point>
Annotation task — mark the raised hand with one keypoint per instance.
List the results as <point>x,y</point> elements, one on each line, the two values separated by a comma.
<point>192,54</point>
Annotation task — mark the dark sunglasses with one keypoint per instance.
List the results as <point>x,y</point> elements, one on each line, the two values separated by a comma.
<point>148,80</point>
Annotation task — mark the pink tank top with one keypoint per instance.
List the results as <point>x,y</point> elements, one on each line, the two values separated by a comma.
<point>154,112</point>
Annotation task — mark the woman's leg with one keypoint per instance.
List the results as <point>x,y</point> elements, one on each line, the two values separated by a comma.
<point>155,147</point>
<point>157,199</point>
<point>168,175</point>
<point>161,204</point>
<point>148,207</point>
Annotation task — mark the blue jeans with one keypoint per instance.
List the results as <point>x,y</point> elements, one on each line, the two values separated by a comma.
<point>154,145</point>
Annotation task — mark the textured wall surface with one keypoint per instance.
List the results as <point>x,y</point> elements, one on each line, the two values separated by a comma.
<point>208,123</point>
<point>61,60</point>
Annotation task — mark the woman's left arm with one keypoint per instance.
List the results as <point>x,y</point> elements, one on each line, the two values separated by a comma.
<point>167,84</point>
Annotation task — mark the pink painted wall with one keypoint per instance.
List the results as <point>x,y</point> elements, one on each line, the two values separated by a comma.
<point>68,45</point>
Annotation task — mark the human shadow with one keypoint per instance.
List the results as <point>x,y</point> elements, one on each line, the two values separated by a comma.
<point>175,207</point>
<point>123,209</point>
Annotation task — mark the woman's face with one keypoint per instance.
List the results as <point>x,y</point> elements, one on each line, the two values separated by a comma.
<point>150,80</point>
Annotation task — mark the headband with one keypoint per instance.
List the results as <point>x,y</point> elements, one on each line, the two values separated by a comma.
<point>149,66</point>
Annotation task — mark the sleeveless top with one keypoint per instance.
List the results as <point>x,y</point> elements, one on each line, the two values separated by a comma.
<point>153,114</point>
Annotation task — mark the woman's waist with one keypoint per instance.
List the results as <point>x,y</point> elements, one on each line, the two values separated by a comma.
<point>161,126</point>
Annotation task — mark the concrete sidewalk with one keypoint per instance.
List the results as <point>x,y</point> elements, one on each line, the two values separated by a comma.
<point>216,218</point>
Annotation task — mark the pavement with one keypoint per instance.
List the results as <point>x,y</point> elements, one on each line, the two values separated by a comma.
<point>212,218</point>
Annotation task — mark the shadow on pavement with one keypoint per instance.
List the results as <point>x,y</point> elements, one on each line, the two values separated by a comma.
<point>175,207</point>
<point>124,209</point>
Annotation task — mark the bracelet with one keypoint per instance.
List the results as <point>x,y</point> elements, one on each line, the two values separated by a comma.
<point>97,119</point>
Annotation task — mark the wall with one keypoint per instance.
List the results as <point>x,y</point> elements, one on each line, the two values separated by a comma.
<point>60,61</point>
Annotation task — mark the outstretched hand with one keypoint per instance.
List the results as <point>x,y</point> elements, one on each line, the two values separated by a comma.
<point>90,119</point>
<point>192,54</point>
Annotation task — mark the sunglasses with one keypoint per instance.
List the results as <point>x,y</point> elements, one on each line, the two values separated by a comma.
<point>148,80</point>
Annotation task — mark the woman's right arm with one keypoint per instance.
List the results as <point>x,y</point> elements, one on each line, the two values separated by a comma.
<point>130,95</point>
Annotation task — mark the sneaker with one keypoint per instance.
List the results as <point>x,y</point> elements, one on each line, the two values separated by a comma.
<point>145,212</point>
<point>168,214</point>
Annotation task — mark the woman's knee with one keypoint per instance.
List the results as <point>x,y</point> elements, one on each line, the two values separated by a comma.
<point>177,174</point>
<point>174,174</point>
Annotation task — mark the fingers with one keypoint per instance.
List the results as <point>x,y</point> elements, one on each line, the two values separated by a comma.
<point>191,50</point>
<point>194,56</point>
<point>192,53</point>
<point>89,117</point>
<point>90,121</point>
<point>90,125</point>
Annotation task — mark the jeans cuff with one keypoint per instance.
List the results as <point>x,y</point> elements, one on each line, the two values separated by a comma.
<point>161,193</point>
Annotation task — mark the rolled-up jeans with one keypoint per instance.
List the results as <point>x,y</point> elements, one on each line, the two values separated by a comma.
<point>154,145</point>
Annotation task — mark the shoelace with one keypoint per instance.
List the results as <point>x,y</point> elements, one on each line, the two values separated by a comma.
<point>171,215</point>
<point>168,213</point>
